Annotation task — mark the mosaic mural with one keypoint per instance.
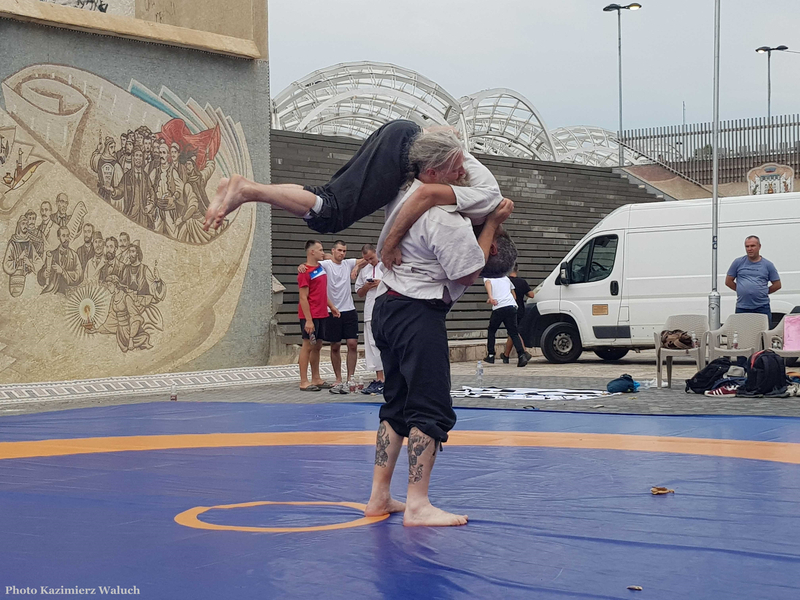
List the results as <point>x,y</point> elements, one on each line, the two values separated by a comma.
<point>112,7</point>
<point>102,200</point>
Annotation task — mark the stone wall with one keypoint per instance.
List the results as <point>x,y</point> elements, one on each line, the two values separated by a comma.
<point>555,205</point>
<point>106,268</point>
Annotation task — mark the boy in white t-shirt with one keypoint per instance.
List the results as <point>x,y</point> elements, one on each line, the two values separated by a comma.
<point>504,312</point>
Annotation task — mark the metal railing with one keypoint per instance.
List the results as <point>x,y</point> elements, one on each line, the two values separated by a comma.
<point>744,144</point>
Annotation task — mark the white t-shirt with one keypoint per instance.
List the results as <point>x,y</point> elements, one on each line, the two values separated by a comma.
<point>438,249</point>
<point>369,272</point>
<point>482,196</point>
<point>501,291</point>
<point>339,290</point>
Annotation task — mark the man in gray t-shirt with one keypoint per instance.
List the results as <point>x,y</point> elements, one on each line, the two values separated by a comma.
<point>753,278</point>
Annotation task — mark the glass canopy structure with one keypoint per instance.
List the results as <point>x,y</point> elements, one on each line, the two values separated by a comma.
<point>354,99</point>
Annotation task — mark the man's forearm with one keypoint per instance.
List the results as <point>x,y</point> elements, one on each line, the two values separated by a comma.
<point>485,240</point>
<point>423,199</point>
<point>360,264</point>
<point>776,285</point>
<point>305,307</point>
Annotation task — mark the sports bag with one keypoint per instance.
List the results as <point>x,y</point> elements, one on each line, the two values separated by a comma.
<point>766,375</point>
<point>705,379</point>
<point>622,384</point>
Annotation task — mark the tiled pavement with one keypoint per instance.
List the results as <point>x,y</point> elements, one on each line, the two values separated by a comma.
<point>279,385</point>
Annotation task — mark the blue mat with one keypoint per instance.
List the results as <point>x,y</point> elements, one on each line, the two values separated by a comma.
<point>544,522</point>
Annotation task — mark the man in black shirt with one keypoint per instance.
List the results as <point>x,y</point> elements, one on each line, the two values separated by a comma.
<point>522,291</point>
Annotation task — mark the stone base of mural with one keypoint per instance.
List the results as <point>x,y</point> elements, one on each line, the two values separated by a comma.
<point>107,270</point>
<point>155,384</point>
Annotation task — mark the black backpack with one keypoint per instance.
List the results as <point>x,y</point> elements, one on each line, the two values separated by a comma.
<point>766,375</point>
<point>705,379</point>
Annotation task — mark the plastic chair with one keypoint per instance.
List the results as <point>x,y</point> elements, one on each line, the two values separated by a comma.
<point>688,323</point>
<point>773,339</point>
<point>748,326</point>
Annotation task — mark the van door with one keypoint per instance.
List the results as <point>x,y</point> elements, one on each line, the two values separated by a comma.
<point>593,292</point>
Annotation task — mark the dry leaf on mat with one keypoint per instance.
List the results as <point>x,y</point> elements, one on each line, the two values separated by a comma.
<point>656,491</point>
<point>636,588</point>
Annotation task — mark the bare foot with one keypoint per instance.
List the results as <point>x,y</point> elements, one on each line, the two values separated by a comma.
<point>376,507</point>
<point>228,198</point>
<point>430,516</point>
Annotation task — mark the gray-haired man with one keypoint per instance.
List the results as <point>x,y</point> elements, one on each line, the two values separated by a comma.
<point>441,259</point>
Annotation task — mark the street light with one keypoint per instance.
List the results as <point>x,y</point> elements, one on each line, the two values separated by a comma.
<point>768,51</point>
<point>619,9</point>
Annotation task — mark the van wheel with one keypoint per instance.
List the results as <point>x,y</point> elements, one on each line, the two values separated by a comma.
<point>610,353</point>
<point>561,343</point>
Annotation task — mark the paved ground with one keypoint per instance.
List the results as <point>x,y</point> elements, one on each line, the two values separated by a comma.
<point>588,373</point>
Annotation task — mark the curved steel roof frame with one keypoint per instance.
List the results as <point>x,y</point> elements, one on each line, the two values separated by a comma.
<point>345,93</point>
<point>354,99</point>
<point>592,146</point>
<point>502,121</point>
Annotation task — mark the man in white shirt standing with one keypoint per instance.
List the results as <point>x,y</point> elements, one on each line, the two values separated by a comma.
<point>504,312</point>
<point>345,327</point>
<point>441,257</point>
<point>367,282</point>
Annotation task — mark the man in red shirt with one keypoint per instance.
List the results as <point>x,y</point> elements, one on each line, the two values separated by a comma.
<point>313,308</point>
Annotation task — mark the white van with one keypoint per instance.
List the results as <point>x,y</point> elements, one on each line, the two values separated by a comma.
<point>645,262</point>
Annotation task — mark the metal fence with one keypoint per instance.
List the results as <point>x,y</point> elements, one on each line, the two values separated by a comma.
<point>743,144</point>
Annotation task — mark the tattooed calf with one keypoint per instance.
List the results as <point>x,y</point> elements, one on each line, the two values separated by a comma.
<point>382,443</point>
<point>417,444</point>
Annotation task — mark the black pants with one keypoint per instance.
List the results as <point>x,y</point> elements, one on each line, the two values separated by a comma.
<point>412,337</point>
<point>505,316</point>
<point>369,180</point>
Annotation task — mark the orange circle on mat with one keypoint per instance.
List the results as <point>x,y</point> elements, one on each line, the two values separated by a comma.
<point>188,518</point>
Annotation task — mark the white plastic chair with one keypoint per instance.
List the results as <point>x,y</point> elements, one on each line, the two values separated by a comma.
<point>749,328</point>
<point>773,339</point>
<point>688,323</point>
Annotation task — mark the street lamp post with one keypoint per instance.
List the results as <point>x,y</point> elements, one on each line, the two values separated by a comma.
<point>768,51</point>
<point>619,9</point>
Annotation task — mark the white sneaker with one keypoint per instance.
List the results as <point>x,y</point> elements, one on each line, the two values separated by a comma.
<point>339,388</point>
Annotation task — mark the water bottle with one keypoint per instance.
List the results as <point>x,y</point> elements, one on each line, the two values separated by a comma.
<point>173,393</point>
<point>360,383</point>
<point>352,385</point>
<point>735,340</point>
<point>776,344</point>
<point>479,373</point>
<point>694,340</point>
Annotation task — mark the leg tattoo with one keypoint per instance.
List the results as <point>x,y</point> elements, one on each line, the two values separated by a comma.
<point>382,443</point>
<point>417,444</point>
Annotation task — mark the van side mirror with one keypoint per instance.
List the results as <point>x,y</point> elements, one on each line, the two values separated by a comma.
<point>564,275</point>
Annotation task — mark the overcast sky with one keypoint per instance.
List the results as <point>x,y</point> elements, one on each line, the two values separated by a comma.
<point>561,54</point>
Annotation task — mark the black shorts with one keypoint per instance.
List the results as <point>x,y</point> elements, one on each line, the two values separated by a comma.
<point>369,180</point>
<point>319,329</point>
<point>341,328</point>
<point>412,337</point>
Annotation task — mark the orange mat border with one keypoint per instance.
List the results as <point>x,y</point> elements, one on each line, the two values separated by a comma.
<point>783,452</point>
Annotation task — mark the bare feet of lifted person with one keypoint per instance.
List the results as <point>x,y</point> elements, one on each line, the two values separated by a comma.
<point>229,197</point>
